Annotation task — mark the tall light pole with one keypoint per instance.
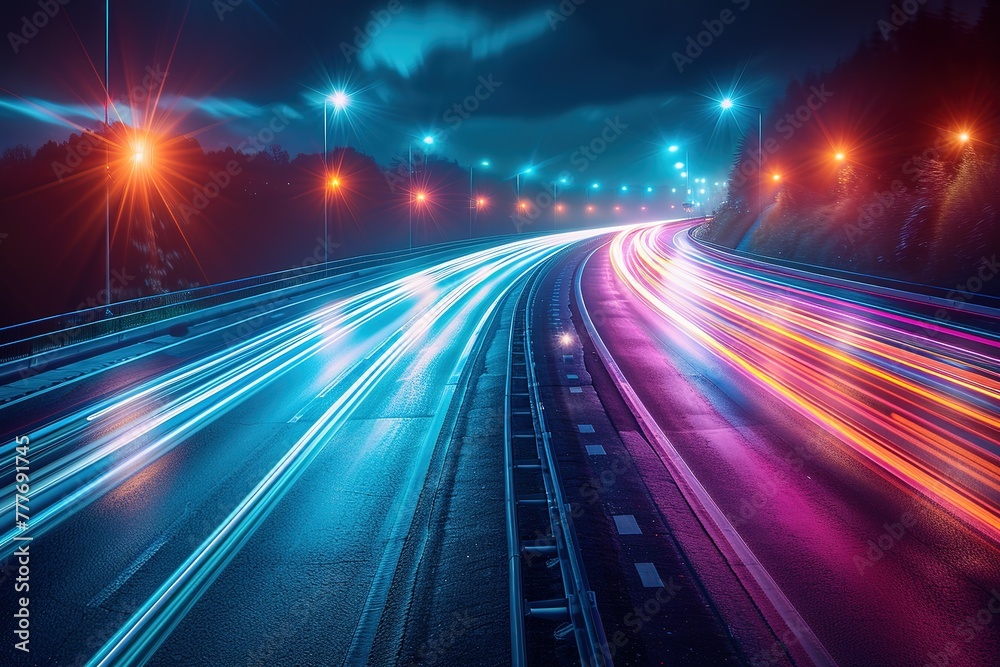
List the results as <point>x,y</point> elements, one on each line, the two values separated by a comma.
<point>339,99</point>
<point>428,140</point>
<point>686,166</point>
<point>107,156</point>
<point>517,181</point>
<point>473,207</point>
<point>727,104</point>
<point>555,197</point>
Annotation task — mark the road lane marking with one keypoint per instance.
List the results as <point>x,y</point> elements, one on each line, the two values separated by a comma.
<point>585,428</point>
<point>627,524</point>
<point>649,576</point>
<point>596,450</point>
<point>718,526</point>
<point>139,561</point>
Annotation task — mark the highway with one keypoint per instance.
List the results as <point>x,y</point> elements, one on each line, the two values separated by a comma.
<point>174,512</point>
<point>843,438</point>
<point>733,462</point>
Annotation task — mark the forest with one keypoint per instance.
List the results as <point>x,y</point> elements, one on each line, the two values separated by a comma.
<point>886,164</point>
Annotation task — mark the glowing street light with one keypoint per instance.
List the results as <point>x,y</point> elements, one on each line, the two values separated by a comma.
<point>727,104</point>
<point>840,157</point>
<point>340,100</point>
<point>674,149</point>
<point>473,204</point>
<point>624,188</point>
<point>678,165</point>
<point>517,181</point>
<point>964,137</point>
<point>776,178</point>
<point>429,140</point>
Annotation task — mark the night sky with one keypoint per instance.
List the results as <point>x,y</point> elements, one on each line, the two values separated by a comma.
<point>556,78</point>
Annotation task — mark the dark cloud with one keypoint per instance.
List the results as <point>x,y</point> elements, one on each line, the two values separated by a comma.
<point>562,74</point>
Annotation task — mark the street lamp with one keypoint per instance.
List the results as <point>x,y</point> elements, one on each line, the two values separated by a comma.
<point>728,104</point>
<point>107,157</point>
<point>340,101</point>
<point>473,208</point>
<point>429,141</point>
<point>593,187</point>
<point>517,180</point>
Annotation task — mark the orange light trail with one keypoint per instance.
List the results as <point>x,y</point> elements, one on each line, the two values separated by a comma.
<point>916,396</point>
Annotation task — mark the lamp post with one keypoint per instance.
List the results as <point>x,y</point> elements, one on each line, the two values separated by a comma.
<point>686,166</point>
<point>428,140</point>
<point>107,157</point>
<point>339,99</point>
<point>473,202</point>
<point>517,180</point>
<point>727,104</point>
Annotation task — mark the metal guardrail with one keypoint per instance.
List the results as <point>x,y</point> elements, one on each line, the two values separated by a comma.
<point>530,465</point>
<point>986,304</point>
<point>43,335</point>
